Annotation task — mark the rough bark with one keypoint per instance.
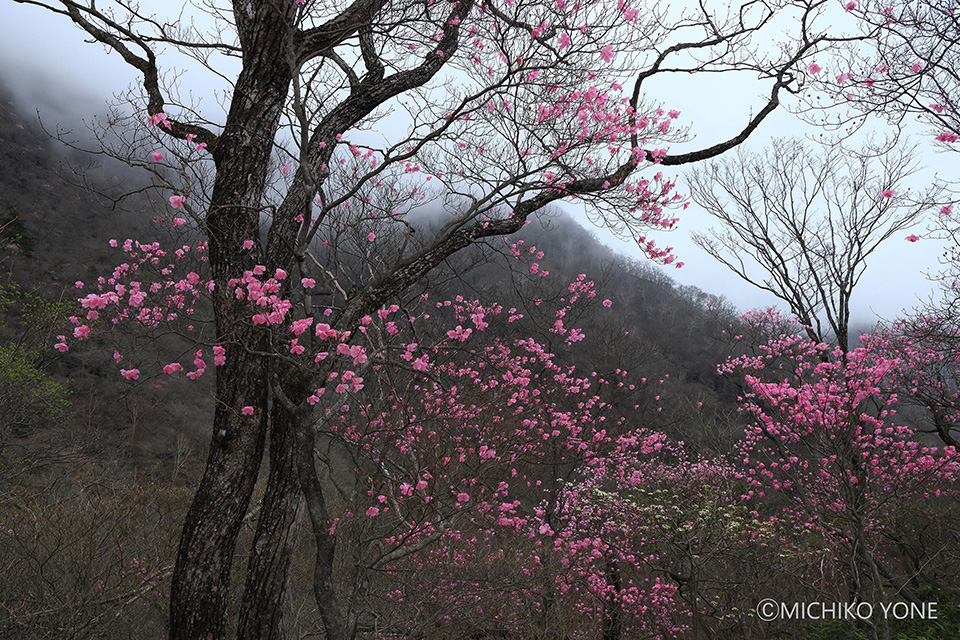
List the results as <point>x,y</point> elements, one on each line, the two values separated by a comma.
<point>201,578</point>
<point>261,610</point>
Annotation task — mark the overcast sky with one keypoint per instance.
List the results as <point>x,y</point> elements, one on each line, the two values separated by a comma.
<point>45,60</point>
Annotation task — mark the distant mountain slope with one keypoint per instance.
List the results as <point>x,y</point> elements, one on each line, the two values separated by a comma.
<point>57,233</point>
<point>52,235</point>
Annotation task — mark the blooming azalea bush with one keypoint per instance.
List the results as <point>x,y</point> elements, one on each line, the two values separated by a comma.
<point>825,437</point>
<point>510,557</point>
<point>440,437</point>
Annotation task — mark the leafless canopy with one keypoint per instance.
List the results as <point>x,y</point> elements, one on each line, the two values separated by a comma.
<point>801,223</point>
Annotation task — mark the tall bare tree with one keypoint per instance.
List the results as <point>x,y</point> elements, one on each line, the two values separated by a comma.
<point>801,224</point>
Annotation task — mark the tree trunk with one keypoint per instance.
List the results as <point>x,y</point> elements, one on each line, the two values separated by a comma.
<point>201,577</point>
<point>335,622</point>
<point>261,610</point>
<point>613,614</point>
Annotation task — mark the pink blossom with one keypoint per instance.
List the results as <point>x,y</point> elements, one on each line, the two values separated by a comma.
<point>371,236</point>
<point>607,53</point>
<point>247,410</point>
<point>130,374</point>
<point>607,303</point>
<point>887,194</point>
<point>177,201</point>
<point>814,68</point>
<point>247,245</point>
<point>912,238</point>
<point>157,156</point>
<point>159,118</point>
<point>323,331</point>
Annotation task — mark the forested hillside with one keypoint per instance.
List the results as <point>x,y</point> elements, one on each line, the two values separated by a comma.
<point>53,234</point>
<point>54,230</point>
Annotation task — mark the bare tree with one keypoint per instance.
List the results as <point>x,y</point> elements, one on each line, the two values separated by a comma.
<point>802,224</point>
<point>531,112</point>
<point>906,72</point>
